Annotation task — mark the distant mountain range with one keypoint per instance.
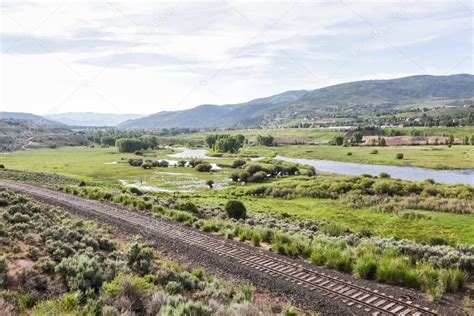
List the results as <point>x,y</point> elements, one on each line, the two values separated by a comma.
<point>91,119</point>
<point>347,100</point>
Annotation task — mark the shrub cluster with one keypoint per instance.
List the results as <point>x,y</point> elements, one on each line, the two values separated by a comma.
<point>81,271</point>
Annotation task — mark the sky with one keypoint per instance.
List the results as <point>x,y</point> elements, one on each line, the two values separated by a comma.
<point>151,56</point>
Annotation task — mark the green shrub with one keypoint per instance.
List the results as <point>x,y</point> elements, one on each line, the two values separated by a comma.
<point>135,191</point>
<point>46,265</point>
<point>436,240</point>
<point>366,267</point>
<point>236,209</point>
<point>188,207</point>
<point>203,167</point>
<point>238,163</point>
<point>80,273</point>
<point>339,260</point>
<point>399,156</point>
<point>255,239</point>
<point>3,272</point>
<point>33,253</point>
<point>190,308</point>
<point>374,152</point>
<point>140,259</point>
<point>391,269</point>
<point>174,287</point>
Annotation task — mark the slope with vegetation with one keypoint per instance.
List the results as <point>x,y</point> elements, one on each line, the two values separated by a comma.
<point>430,100</point>
<point>53,264</point>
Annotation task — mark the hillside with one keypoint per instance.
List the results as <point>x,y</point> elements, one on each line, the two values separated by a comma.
<point>28,117</point>
<point>91,119</point>
<point>16,134</point>
<point>348,102</point>
<point>209,115</point>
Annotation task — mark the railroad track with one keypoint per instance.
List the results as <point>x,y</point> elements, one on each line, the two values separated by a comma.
<point>364,299</point>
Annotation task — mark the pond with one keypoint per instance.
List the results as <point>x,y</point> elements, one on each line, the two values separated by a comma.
<point>402,172</point>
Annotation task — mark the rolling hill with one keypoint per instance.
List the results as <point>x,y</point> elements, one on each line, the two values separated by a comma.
<point>347,101</point>
<point>36,119</point>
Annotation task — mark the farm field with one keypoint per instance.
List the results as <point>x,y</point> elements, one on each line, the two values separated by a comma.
<point>435,157</point>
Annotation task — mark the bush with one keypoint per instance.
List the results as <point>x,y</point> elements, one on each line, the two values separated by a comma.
<point>2,166</point>
<point>33,253</point>
<point>258,177</point>
<point>188,207</point>
<point>384,175</point>
<point>374,152</point>
<point>80,273</point>
<point>236,209</point>
<point>3,272</point>
<point>399,156</point>
<point>135,191</point>
<point>238,163</point>
<point>203,167</point>
<point>140,259</point>
<point>190,308</point>
<point>349,154</point>
<point>366,267</point>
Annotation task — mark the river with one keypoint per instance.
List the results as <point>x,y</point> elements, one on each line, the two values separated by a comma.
<point>350,168</point>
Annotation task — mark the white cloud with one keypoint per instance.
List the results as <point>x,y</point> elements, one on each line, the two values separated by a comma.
<point>151,56</point>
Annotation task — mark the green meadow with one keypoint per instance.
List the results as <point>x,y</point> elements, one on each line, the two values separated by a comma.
<point>435,157</point>
<point>106,166</point>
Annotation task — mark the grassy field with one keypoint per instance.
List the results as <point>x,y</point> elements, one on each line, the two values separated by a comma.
<point>282,135</point>
<point>453,227</point>
<point>107,166</point>
<point>437,157</point>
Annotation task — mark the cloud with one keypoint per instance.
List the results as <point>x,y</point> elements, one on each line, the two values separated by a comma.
<point>156,55</point>
<point>31,44</point>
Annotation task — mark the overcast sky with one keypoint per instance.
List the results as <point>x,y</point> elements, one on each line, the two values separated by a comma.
<point>145,57</point>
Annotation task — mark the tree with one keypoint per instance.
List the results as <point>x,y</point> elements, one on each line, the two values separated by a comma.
<point>338,140</point>
<point>129,145</point>
<point>266,140</point>
<point>236,209</point>
<point>211,140</point>
<point>149,141</point>
<point>383,142</point>
<point>229,143</point>
<point>107,141</point>
<point>357,138</point>
<point>210,183</point>
<point>450,140</point>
